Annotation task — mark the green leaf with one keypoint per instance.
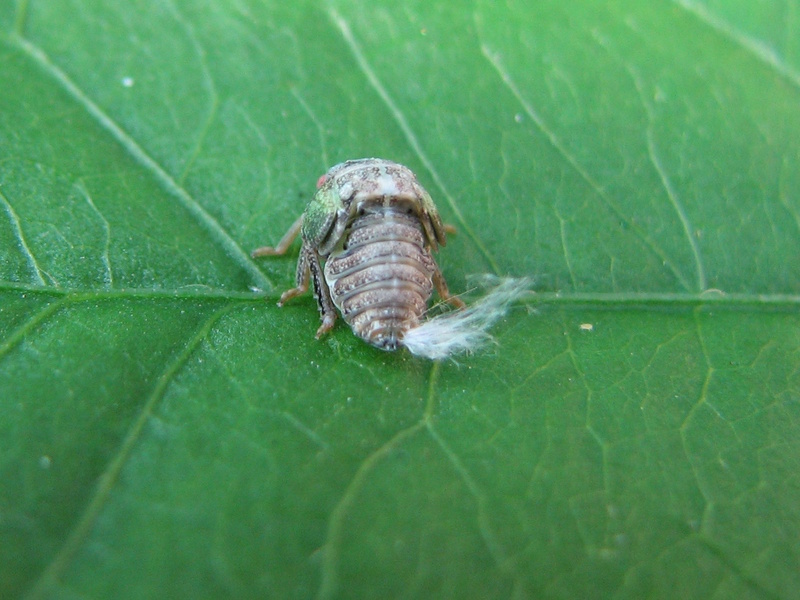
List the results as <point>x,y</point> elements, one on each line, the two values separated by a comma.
<point>168,432</point>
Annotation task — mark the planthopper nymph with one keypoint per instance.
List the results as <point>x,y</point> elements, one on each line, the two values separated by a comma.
<point>369,234</point>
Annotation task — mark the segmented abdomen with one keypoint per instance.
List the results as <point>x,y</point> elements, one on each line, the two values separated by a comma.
<point>381,280</point>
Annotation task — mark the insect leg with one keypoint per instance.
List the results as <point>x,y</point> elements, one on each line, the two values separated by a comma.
<point>283,245</point>
<point>301,277</point>
<point>327,309</point>
<point>441,288</point>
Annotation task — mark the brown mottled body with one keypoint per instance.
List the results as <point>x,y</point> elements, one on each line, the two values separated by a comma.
<point>382,278</point>
<point>375,228</point>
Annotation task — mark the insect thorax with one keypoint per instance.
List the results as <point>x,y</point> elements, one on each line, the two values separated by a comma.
<point>380,277</point>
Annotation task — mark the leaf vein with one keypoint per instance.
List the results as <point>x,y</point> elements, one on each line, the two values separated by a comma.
<point>317,123</point>
<point>39,317</point>
<point>494,60</point>
<point>107,227</point>
<point>212,226</point>
<point>333,539</point>
<point>690,415</point>
<point>108,479</point>
<point>634,301</point>
<point>210,86</point>
<point>489,538</point>
<point>751,45</point>
<point>565,249</point>
<point>21,17</point>
<point>408,132</point>
<point>15,223</point>
<point>672,195</point>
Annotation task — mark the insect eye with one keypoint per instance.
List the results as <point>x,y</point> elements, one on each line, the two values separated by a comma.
<point>321,180</point>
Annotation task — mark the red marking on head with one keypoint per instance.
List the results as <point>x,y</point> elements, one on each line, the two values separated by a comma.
<point>321,180</point>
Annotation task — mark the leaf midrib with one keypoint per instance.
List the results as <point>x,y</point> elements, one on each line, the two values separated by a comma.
<point>598,300</point>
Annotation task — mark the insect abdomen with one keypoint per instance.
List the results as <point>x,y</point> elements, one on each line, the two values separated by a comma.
<point>381,279</point>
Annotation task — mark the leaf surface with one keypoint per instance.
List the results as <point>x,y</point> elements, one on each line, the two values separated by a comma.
<point>169,432</point>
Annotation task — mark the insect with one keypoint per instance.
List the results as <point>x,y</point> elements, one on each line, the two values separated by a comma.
<point>375,228</point>
<point>368,237</point>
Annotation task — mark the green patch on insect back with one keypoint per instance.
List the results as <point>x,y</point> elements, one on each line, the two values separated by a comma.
<point>324,214</point>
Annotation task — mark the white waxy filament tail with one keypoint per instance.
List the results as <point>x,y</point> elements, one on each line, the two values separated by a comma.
<point>464,330</point>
